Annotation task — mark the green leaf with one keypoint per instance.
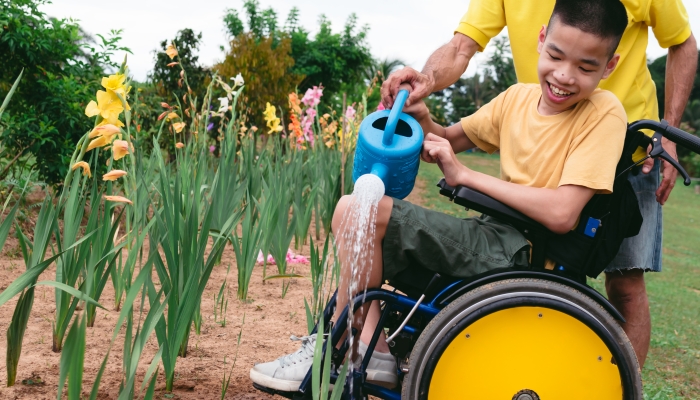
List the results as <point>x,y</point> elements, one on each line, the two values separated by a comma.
<point>283,276</point>
<point>72,291</point>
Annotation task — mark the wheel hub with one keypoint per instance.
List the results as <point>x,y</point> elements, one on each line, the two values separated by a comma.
<point>526,394</point>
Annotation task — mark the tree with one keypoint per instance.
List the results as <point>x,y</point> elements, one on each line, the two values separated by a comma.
<point>62,70</point>
<point>265,69</point>
<point>167,79</point>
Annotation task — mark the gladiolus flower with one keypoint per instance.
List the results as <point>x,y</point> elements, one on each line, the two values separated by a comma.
<point>162,115</point>
<point>179,145</point>
<point>272,121</point>
<point>172,64</point>
<point>165,105</point>
<point>115,83</point>
<point>312,96</point>
<point>224,104</point>
<point>113,175</point>
<point>120,148</point>
<point>118,199</point>
<point>104,130</point>
<point>84,166</point>
<point>99,142</point>
<point>108,105</point>
<point>212,149</point>
<point>238,80</point>
<point>350,113</point>
<point>171,51</point>
<point>173,115</point>
<point>179,126</point>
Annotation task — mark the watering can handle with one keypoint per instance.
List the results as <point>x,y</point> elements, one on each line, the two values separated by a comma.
<point>393,120</point>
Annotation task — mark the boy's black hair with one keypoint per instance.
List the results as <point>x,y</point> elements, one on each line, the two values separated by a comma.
<point>606,19</point>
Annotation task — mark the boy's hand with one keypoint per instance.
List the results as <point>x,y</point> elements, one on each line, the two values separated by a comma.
<point>418,110</point>
<point>438,150</point>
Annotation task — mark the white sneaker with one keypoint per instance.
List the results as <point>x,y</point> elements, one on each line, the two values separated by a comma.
<point>287,372</point>
<point>381,369</point>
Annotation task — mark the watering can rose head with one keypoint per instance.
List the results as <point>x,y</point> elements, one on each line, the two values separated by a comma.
<point>388,146</point>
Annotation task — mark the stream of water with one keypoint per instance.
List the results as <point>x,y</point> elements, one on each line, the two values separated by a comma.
<point>357,230</point>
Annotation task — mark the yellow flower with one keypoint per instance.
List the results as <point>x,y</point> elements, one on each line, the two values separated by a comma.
<point>84,166</point>
<point>171,51</point>
<point>272,121</point>
<point>120,148</point>
<point>173,115</point>
<point>113,175</point>
<point>115,83</point>
<point>99,142</point>
<point>104,130</point>
<point>108,106</point>
<point>179,145</point>
<point>118,199</point>
<point>179,126</point>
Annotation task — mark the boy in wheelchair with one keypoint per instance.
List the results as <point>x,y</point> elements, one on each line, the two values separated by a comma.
<point>559,142</point>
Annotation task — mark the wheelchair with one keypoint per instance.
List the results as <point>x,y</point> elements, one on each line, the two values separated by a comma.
<point>519,333</point>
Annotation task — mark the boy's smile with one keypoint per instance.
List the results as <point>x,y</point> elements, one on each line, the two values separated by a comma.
<point>571,64</point>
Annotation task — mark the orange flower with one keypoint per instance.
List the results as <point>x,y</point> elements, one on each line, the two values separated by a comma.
<point>179,145</point>
<point>104,130</point>
<point>113,175</point>
<point>99,142</point>
<point>179,126</point>
<point>171,51</point>
<point>295,126</point>
<point>120,148</point>
<point>84,166</point>
<point>118,199</point>
<point>294,103</point>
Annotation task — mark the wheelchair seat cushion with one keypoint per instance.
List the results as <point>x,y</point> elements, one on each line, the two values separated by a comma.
<point>448,245</point>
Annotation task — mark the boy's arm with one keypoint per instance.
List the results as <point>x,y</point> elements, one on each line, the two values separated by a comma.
<point>454,134</point>
<point>557,209</point>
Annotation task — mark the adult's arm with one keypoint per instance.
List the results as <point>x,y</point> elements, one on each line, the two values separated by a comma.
<point>443,68</point>
<point>681,66</point>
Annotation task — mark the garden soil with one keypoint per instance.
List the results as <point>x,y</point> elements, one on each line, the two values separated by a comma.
<point>269,322</point>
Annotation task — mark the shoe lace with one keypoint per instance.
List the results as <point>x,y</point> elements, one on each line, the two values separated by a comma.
<point>308,343</point>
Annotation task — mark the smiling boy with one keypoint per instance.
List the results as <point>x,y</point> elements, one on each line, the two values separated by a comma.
<point>559,142</point>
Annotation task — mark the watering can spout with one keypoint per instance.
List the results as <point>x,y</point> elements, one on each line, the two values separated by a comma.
<point>380,170</point>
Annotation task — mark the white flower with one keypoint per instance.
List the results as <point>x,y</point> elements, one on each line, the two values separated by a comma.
<point>238,80</point>
<point>224,104</point>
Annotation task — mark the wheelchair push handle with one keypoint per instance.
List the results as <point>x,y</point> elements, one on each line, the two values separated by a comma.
<point>678,136</point>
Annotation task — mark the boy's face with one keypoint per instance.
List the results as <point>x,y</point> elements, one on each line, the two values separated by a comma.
<point>571,64</point>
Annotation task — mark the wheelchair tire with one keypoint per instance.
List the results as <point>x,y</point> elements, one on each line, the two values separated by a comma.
<point>523,339</point>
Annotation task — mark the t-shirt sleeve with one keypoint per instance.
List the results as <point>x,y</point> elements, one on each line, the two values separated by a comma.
<point>484,19</point>
<point>594,154</point>
<point>483,127</point>
<point>669,21</point>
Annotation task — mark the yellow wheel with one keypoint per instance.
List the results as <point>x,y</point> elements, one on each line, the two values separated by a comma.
<point>523,339</point>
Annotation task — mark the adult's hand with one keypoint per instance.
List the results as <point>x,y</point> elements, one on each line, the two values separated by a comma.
<point>668,171</point>
<point>421,86</point>
<point>681,66</point>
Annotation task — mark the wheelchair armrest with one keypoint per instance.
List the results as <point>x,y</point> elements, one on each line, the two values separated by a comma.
<point>475,200</point>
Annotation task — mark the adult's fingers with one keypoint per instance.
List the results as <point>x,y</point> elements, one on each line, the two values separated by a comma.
<point>420,84</point>
<point>648,163</point>
<point>667,184</point>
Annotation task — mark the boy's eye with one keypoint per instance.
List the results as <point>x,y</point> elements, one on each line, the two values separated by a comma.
<point>585,70</point>
<point>553,58</point>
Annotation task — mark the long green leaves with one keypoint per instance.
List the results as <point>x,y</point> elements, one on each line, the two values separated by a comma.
<point>246,249</point>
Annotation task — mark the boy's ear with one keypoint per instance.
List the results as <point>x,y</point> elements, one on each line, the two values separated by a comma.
<point>541,38</point>
<point>610,66</point>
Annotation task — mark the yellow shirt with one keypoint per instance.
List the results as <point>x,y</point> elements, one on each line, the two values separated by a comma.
<point>580,146</point>
<point>631,81</point>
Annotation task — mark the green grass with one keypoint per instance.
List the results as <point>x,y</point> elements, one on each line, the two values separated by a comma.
<point>672,369</point>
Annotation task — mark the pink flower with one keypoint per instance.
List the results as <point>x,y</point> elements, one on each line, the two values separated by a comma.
<point>350,113</point>
<point>306,124</point>
<point>312,96</point>
<point>311,112</point>
<point>212,148</point>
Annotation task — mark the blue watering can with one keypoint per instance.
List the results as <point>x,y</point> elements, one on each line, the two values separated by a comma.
<point>388,146</point>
